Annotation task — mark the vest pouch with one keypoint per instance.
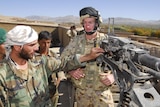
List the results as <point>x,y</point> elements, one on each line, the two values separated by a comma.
<point>91,75</point>
<point>97,84</point>
<point>88,80</point>
<point>91,79</point>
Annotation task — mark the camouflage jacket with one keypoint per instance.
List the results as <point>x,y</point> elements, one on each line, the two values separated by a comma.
<point>70,60</point>
<point>71,33</point>
<point>18,89</point>
<point>51,53</point>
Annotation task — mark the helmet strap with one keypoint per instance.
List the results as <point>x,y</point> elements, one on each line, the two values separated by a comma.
<point>93,31</point>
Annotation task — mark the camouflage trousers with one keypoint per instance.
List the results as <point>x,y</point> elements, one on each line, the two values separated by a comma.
<point>92,98</point>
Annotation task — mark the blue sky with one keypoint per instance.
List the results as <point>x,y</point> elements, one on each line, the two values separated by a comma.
<point>135,9</point>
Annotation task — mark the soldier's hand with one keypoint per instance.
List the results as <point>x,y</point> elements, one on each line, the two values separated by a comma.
<point>94,53</point>
<point>77,74</point>
<point>107,79</point>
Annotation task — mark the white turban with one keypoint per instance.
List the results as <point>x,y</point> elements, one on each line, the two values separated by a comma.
<point>20,35</point>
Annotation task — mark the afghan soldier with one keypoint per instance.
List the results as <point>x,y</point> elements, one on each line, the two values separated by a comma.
<point>24,79</point>
<point>2,54</point>
<point>44,40</point>
<point>90,76</point>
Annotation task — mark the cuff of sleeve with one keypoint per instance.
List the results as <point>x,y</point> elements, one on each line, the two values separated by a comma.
<point>61,75</point>
<point>77,57</point>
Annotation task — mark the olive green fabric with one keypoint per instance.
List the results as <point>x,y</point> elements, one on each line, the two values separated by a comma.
<point>32,91</point>
<point>2,35</point>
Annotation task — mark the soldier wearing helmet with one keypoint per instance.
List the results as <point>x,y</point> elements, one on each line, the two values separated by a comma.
<point>89,12</point>
<point>91,77</point>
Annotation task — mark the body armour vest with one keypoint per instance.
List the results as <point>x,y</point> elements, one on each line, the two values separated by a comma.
<point>92,69</point>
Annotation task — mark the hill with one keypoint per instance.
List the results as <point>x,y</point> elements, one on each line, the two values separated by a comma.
<point>75,19</point>
<point>117,21</point>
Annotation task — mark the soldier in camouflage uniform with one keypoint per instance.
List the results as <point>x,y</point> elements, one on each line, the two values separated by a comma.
<point>72,32</point>
<point>24,79</point>
<point>2,52</point>
<point>91,78</point>
<point>44,40</point>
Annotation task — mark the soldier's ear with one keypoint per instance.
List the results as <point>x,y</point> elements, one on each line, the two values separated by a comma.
<point>17,48</point>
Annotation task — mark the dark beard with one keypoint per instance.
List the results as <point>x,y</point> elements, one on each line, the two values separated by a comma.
<point>23,54</point>
<point>2,56</point>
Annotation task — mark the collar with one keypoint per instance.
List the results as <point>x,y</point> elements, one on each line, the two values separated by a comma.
<point>23,74</point>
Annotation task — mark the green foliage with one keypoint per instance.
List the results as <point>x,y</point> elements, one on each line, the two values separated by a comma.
<point>141,31</point>
<point>155,33</point>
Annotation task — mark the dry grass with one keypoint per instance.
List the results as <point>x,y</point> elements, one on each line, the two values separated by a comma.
<point>18,19</point>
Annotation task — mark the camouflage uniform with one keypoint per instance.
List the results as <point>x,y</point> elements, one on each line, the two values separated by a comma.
<point>90,91</point>
<point>54,79</point>
<point>52,53</point>
<point>71,33</point>
<point>27,89</point>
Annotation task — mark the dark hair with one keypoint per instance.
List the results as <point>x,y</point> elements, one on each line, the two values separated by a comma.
<point>44,35</point>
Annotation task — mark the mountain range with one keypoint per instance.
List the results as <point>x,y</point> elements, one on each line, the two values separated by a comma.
<point>75,19</point>
<point>117,21</point>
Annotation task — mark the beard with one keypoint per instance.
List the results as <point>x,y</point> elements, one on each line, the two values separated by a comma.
<point>2,51</point>
<point>2,56</point>
<point>25,55</point>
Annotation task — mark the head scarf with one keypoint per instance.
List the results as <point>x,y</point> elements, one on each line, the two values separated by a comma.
<point>21,35</point>
<point>2,36</point>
